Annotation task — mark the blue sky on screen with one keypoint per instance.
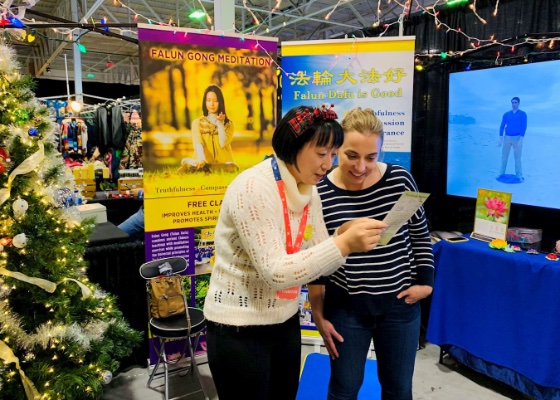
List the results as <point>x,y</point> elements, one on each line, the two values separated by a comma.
<point>486,94</point>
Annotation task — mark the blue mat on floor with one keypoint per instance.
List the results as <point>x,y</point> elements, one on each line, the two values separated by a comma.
<point>314,380</point>
<point>509,178</point>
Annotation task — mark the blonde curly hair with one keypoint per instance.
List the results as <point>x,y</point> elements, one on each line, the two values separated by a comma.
<point>363,121</point>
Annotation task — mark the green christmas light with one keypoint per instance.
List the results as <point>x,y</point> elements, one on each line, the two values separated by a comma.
<point>197,14</point>
<point>456,2</point>
<point>82,48</point>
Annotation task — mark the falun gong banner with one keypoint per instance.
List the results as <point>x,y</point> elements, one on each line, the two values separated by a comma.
<point>208,113</point>
<point>374,73</point>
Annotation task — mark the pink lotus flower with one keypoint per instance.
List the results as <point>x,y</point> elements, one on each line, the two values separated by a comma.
<point>495,207</point>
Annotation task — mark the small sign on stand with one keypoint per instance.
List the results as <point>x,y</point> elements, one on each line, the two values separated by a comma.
<point>491,215</point>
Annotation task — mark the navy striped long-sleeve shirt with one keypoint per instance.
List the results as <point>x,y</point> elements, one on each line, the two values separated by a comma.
<point>369,282</point>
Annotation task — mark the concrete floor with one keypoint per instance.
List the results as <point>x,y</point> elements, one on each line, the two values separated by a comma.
<point>432,381</point>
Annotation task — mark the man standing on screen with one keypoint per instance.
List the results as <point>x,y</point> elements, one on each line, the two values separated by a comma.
<point>512,131</point>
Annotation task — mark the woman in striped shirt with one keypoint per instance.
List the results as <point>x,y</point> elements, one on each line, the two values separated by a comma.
<point>373,295</point>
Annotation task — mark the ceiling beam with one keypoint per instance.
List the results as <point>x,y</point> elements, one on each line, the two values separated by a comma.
<point>295,7</point>
<point>357,14</point>
<point>389,14</point>
<point>187,5</point>
<point>57,7</point>
<point>395,15</point>
<point>93,9</point>
<point>293,18</point>
<point>50,59</point>
<point>150,9</point>
<point>110,14</point>
<point>66,23</point>
<point>116,64</point>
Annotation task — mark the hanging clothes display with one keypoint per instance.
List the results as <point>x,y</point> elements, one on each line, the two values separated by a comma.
<point>110,127</point>
<point>131,157</point>
<point>118,127</point>
<point>73,136</point>
<point>103,131</point>
<point>83,137</point>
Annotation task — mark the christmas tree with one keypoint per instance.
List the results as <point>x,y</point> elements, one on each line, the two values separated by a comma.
<point>60,335</point>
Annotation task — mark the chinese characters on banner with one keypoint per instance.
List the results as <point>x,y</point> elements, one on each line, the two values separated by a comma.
<point>374,73</point>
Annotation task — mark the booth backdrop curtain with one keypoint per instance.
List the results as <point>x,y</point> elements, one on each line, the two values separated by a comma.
<point>429,130</point>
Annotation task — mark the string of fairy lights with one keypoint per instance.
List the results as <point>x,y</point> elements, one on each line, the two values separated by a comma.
<point>406,6</point>
<point>262,23</point>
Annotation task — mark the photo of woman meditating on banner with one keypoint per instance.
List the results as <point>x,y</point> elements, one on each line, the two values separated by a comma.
<point>212,134</point>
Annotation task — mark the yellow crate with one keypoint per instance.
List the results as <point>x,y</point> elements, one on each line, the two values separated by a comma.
<point>88,193</point>
<point>87,187</point>
<point>87,183</point>
<point>130,183</point>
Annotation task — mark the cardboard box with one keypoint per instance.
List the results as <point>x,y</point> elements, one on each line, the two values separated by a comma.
<point>96,210</point>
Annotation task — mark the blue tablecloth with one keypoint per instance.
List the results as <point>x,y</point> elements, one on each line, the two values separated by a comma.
<point>501,309</point>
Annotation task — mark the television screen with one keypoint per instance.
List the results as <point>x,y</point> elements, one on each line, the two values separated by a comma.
<point>504,133</point>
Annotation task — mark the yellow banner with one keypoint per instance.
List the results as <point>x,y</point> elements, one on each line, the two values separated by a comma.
<point>210,102</point>
<point>376,73</point>
<point>345,47</point>
<point>178,212</point>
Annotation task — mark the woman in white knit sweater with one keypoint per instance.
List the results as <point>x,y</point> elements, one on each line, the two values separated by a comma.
<point>271,239</point>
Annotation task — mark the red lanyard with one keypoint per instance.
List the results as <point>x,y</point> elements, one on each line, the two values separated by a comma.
<point>290,247</point>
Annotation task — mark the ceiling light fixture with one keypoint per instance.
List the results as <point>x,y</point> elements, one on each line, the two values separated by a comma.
<point>75,106</point>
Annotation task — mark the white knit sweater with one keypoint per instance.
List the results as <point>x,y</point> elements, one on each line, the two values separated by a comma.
<point>251,261</point>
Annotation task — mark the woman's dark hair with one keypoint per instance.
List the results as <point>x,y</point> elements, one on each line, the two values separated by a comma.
<point>221,108</point>
<point>323,133</point>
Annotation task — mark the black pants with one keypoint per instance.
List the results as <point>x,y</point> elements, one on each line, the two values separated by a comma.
<point>255,362</point>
